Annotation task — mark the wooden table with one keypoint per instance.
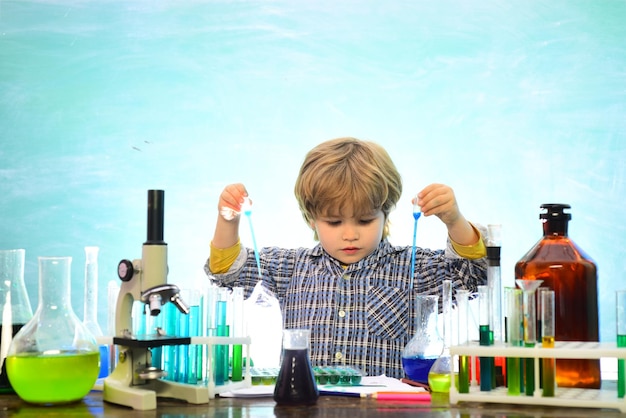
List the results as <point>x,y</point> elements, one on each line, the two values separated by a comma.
<point>327,406</point>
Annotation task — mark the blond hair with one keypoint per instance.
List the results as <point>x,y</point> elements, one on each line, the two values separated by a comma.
<point>347,173</point>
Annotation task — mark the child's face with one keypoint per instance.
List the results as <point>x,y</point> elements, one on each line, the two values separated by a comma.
<point>349,239</point>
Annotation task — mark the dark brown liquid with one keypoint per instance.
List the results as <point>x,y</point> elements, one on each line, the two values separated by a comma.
<point>295,384</point>
<point>5,385</point>
<point>564,269</point>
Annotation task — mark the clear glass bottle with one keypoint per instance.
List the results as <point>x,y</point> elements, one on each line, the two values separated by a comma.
<point>15,309</point>
<point>567,270</point>
<point>296,384</point>
<point>426,346</point>
<point>53,359</point>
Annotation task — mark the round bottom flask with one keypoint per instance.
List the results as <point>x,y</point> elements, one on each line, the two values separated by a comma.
<point>53,359</point>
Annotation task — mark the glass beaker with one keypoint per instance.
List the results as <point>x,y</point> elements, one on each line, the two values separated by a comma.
<point>53,359</point>
<point>296,384</point>
<point>426,346</point>
<point>15,310</point>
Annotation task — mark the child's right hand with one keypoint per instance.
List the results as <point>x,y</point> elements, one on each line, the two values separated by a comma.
<point>230,201</point>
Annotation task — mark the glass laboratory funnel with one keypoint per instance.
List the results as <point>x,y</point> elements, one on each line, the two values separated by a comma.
<point>426,346</point>
<point>15,310</point>
<point>296,384</point>
<point>53,359</point>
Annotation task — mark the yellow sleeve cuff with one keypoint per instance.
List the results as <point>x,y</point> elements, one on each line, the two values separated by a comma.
<point>221,259</point>
<point>473,251</point>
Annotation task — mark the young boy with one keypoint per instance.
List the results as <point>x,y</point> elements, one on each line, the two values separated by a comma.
<point>352,289</point>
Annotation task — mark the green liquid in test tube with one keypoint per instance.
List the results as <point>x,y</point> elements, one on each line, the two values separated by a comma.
<point>621,341</point>
<point>462,297</point>
<point>484,338</point>
<point>530,332</point>
<point>237,331</point>
<point>548,370</point>
<point>514,339</point>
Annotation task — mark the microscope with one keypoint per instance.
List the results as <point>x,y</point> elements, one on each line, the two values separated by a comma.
<point>135,382</point>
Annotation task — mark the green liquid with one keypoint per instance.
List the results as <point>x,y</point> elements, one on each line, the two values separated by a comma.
<point>464,376</point>
<point>237,369</point>
<point>53,379</point>
<point>548,370</point>
<point>529,364</point>
<point>513,376</point>
<point>621,368</point>
<point>439,382</point>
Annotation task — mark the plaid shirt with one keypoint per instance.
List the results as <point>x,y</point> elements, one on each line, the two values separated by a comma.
<point>362,314</point>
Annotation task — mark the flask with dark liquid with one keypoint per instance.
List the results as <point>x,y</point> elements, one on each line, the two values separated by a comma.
<point>296,384</point>
<point>567,270</point>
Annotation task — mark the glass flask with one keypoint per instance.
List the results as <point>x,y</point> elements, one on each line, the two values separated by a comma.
<point>439,373</point>
<point>15,309</point>
<point>567,270</point>
<point>296,384</point>
<point>426,346</point>
<point>53,359</point>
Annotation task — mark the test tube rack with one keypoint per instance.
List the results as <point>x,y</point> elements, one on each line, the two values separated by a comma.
<point>199,393</point>
<point>564,397</point>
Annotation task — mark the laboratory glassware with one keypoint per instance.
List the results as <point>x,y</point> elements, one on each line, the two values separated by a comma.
<point>569,271</point>
<point>15,309</point>
<point>296,383</point>
<point>621,341</point>
<point>514,327</point>
<point>53,359</point>
<point>485,338</point>
<point>462,303</point>
<point>548,369</point>
<point>90,311</point>
<point>529,318</point>
<point>426,345</point>
<point>439,374</point>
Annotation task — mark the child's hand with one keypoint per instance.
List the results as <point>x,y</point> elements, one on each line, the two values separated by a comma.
<point>439,200</point>
<point>230,201</point>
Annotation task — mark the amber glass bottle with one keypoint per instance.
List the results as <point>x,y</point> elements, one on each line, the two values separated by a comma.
<point>567,270</point>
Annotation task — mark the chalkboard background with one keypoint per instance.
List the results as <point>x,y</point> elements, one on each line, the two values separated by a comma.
<point>512,103</point>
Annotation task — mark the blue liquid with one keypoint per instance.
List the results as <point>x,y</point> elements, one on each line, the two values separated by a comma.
<point>417,368</point>
<point>104,361</point>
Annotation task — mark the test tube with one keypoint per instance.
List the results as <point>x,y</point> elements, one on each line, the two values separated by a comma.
<point>621,341</point>
<point>221,350</point>
<point>548,371</point>
<point>530,334</point>
<point>484,338</point>
<point>462,297</point>
<point>514,339</point>
<point>237,331</point>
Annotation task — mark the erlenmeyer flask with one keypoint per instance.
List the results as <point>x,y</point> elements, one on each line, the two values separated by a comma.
<point>15,310</point>
<point>426,346</point>
<point>296,384</point>
<point>53,359</point>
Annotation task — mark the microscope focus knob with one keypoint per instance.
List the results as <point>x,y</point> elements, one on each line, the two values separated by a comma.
<point>125,270</point>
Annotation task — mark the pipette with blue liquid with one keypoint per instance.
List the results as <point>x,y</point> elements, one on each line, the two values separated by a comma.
<point>416,215</point>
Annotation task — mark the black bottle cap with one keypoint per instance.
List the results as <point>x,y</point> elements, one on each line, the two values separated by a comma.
<point>555,218</point>
<point>555,211</point>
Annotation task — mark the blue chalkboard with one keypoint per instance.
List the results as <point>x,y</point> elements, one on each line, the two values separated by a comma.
<point>512,103</point>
